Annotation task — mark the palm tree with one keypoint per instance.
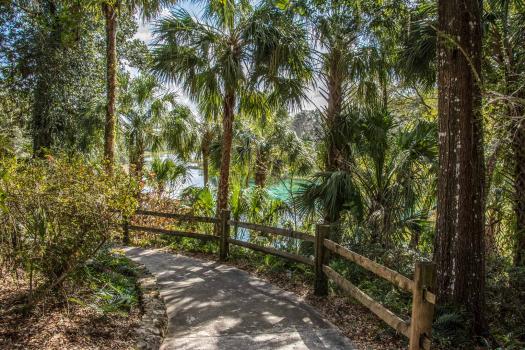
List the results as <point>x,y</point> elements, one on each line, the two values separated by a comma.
<point>148,9</point>
<point>269,147</point>
<point>335,25</point>
<point>386,178</point>
<point>167,173</point>
<point>505,22</point>
<point>209,129</point>
<point>236,51</point>
<point>151,119</point>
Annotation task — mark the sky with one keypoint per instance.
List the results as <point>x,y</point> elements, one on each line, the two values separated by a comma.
<point>144,33</point>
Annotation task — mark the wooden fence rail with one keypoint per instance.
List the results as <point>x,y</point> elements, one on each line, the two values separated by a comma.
<point>382,312</point>
<point>418,330</point>
<point>273,251</point>
<point>275,230</point>
<point>174,232</point>
<point>179,217</point>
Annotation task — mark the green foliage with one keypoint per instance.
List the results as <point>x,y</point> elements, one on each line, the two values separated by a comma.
<point>264,39</point>
<point>57,213</point>
<point>111,279</point>
<point>52,73</point>
<point>505,287</point>
<point>191,245</point>
<point>386,185</point>
<point>272,264</point>
<point>167,174</point>
<point>372,62</point>
<point>379,289</point>
<point>200,199</point>
<point>151,119</point>
<point>451,327</point>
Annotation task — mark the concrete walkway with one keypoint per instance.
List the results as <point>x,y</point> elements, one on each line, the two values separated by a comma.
<point>214,306</point>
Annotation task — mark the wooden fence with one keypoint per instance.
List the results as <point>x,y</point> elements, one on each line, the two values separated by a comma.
<point>418,330</point>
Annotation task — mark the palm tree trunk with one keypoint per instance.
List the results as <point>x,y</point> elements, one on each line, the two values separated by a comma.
<point>111,83</point>
<point>205,151</point>
<point>227,136</point>
<point>205,168</point>
<point>333,114</point>
<point>459,245</point>
<point>139,167</point>
<point>333,111</point>
<point>260,169</point>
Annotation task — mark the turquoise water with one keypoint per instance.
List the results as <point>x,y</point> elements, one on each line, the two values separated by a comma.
<point>281,189</point>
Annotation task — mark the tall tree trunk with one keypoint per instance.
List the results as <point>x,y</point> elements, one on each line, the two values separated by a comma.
<point>205,167</point>
<point>111,83</point>
<point>334,107</point>
<point>136,162</point>
<point>261,168</point>
<point>333,111</point>
<point>227,136</point>
<point>518,147</point>
<point>205,152</point>
<point>459,245</point>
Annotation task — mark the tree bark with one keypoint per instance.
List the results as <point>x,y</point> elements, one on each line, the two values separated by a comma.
<point>205,167</point>
<point>261,168</point>
<point>227,135</point>
<point>111,83</point>
<point>205,152</point>
<point>333,161</point>
<point>333,110</point>
<point>459,244</point>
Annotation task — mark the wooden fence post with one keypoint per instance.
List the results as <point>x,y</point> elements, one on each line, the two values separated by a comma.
<point>125,228</point>
<point>422,310</point>
<point>225,234</point>
<point>321,256</point>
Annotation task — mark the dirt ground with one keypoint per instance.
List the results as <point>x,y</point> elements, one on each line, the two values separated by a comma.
<point>61,325</point>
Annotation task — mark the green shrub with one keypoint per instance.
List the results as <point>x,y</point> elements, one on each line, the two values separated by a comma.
<point>111,278</point>
<point>56,214</point>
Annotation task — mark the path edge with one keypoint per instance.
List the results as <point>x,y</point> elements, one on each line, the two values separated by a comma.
<point>154,321</point>
<point>266,284</point>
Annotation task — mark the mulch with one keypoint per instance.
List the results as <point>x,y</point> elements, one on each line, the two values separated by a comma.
<point>58,324</point>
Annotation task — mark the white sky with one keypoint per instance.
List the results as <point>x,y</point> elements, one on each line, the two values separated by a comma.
<point>144,33</point>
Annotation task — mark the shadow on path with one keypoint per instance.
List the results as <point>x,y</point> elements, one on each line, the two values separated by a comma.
<point>214,306</point>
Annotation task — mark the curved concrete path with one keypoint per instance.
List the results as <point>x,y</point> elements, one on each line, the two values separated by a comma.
<point>215,306</point>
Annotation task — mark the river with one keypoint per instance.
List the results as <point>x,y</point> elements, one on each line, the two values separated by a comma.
<point>277,190</point>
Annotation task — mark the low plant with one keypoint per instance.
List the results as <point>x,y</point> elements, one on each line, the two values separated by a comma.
<point>111,279</point>
<point>56,214</point>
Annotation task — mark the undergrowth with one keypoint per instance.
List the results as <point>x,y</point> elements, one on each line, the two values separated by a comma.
<point>110,279</point>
